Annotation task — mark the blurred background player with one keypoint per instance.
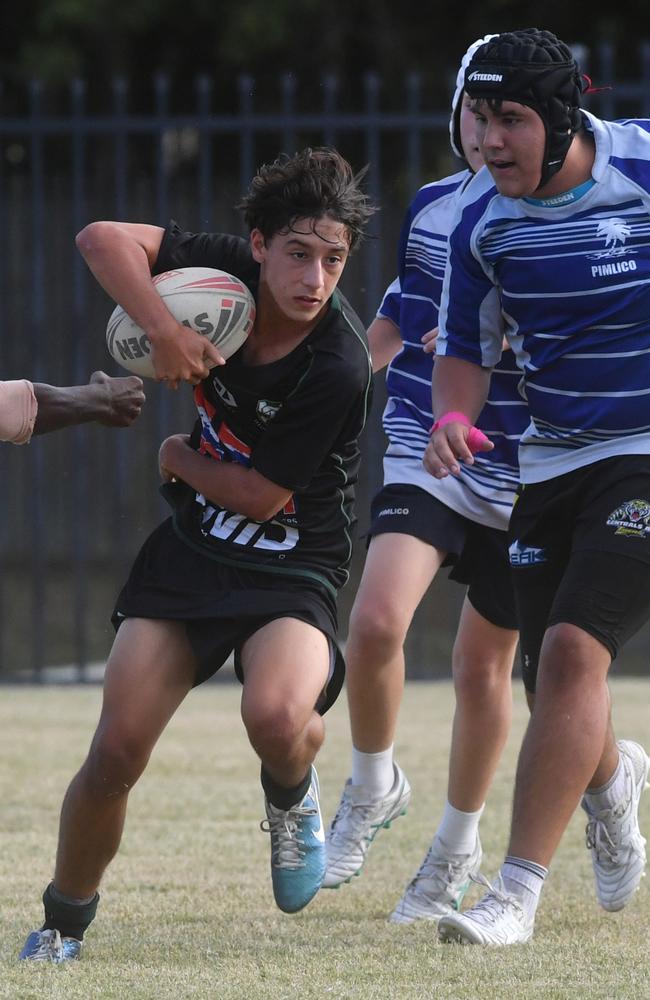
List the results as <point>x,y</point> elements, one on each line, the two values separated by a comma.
<point>259,543</point>
<point>419,524</point>
<point>28,408</point>
<point>553,238</point>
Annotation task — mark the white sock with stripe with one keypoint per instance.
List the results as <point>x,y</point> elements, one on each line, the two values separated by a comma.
<point>524,880</point>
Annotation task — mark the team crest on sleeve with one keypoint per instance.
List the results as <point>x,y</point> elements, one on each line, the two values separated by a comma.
<point>631,518</point>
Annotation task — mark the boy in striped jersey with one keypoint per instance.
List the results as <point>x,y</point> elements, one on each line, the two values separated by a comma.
<point>552,239</point>
<point>418,525</point>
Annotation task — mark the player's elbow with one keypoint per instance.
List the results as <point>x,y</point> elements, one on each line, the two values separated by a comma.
<point>263,499</point>
<point>91,237</point>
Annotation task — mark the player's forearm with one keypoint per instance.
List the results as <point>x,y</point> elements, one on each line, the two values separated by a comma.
<point>384,340</point>
<point>228,484</point>
<point>459,386</point>
<point>63,406</point>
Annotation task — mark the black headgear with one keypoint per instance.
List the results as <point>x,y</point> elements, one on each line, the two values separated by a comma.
<point>534,68</point>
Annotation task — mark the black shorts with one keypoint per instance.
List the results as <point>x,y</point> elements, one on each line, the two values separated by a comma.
<point>580,553</point>
<point>222,606</point>
<point>478,555</point>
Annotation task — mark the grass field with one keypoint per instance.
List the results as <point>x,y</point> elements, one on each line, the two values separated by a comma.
<point>187,909</point>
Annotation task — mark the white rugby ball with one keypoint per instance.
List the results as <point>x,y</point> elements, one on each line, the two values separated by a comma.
<point>212,302</point>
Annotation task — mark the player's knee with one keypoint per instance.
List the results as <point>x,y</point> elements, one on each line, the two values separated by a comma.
<point>481,664</point>
<point>274,729</point>
<point>570,657</point>
<point>114,763</point>
<point>480,679</point>
<point>377,625</point>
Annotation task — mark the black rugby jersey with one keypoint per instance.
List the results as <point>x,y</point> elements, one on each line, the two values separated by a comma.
<point>296,421</point>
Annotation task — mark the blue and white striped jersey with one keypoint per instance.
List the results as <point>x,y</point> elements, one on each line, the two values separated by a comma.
<point>568,279</point>
<point>484,492</point>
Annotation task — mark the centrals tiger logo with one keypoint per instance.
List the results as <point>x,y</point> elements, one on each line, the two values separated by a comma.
<point>267,409</point>
<point>631,518</point>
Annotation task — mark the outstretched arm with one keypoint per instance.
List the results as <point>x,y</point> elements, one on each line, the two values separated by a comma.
<point>121,255</point>
<point>113,402</point>
<point>28,408</point>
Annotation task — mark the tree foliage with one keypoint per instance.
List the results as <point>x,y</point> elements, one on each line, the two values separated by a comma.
<point>98,39</point>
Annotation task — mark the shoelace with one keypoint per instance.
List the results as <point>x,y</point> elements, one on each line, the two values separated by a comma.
<point>284,827</point>
<point>599,840</point>
<point>49,949</point>
<point>598,836</point>
<point>495,902</point>
<point>448,875</point>
<point>356,814</point>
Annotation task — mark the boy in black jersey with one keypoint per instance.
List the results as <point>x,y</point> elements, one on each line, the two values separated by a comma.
<point>259,540</point>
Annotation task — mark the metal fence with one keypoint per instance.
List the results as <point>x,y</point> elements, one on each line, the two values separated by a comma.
<point>75,506</point>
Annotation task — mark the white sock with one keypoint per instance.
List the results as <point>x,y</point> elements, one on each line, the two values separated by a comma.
<point>610,793</point>
<point>525,880</point>
<point>374,771</point>
<point>458,830</point>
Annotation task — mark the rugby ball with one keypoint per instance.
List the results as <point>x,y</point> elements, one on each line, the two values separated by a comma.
<point>212,302</point>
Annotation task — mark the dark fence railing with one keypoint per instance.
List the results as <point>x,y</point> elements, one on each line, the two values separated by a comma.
<point>76,505</point>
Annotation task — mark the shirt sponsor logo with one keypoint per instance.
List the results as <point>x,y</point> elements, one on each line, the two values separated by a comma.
<point>632,518</point>
<point>620,267</point>
<point>390,511</point>
<point>525,555</point>
<point>558,199</point>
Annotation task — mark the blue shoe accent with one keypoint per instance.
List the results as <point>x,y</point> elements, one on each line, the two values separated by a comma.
<point>298,855</point>
<point>71,949</point>
<point>49,946</point>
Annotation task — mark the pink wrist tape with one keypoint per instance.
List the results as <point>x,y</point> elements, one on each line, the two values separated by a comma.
<point>449,418</point>
<point>475,439</point>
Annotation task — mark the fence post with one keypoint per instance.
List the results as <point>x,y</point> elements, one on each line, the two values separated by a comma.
<point>37,331</point>
<point>246,86</point>
<point>206,205</point>
<point>373,246</point>
<point>78,525</point>
<point>118,443</point>
<point>288,85</point>
<point>330,94</point>
<point>414,141</point>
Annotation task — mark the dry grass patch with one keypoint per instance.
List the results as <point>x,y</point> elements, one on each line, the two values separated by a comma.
<point>187,908</point>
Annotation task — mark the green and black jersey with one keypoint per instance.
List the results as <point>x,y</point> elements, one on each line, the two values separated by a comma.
<point>296,421</point>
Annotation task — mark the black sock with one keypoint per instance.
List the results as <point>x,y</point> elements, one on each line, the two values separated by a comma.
<point>281,797</point>
<point>69,919</point>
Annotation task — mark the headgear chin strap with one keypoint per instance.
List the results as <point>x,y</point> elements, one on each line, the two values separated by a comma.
<point>534,68</point>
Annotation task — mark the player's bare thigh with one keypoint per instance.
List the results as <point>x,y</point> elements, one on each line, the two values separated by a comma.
<point>397,573</point>
<point>149,672</point>
<point>285,666</point>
